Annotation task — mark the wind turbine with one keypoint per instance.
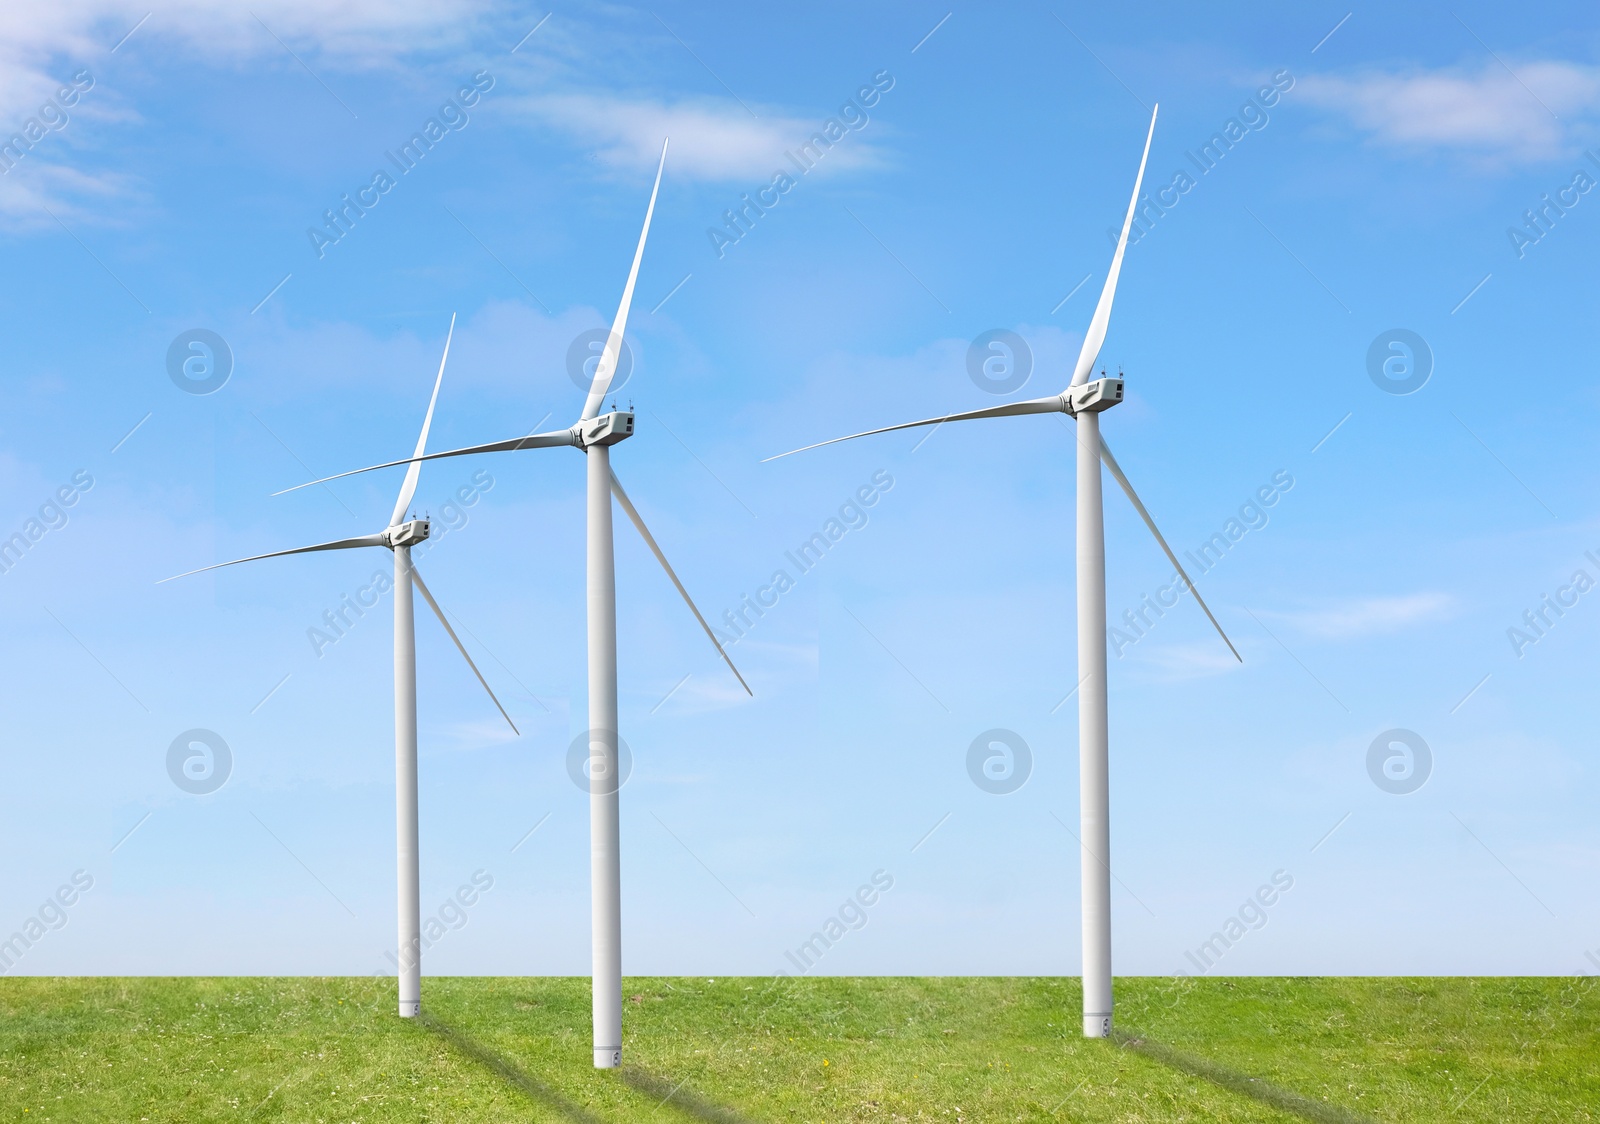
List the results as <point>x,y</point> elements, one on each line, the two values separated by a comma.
<point>400,536</point>
<point>594,433</point>
<point>1085,400</point>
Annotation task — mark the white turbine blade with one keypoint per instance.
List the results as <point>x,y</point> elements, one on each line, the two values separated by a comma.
<point>1116,470</point>
<point>1051,405</point>
<point>409,488</point>
<point>649,539</point>
<point>416,579</point>
<point>608,358</point>
<point>553,439</point>
<point>338,544</point>
<point>1102,311</point>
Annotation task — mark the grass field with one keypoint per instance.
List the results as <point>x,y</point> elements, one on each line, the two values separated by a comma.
<point>821,1049</point>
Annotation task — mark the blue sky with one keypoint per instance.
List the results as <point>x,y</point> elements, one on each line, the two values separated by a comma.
<point>1378,191</point>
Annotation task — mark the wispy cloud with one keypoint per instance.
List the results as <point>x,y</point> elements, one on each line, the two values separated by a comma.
<point>475,734</point>
<point>712,140</point>
<point>1369,616</point>
<point>43,43</point>
<point>1532,112</point>
<point>507,348</point>
<point>711,689</point>
<point>364,32</point>
<point>1196,660</point>
<point>63,189</point>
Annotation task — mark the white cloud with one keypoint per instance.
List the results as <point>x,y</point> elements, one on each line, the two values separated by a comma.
<point>506,347</point>
<point>23,199</point>
<point>44,42</point>
<point>354,31</point>
<point>483,733</point>
<point>1489,114</point>
<point>712,139</point>
<point>1194,660</point>
<point>713,689</point>
<point>41,41</point>
<point>1370,616</point>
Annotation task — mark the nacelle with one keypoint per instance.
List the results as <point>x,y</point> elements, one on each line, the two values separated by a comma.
<point>1092,397</point>
<point>607,429</point>
<point>408,534</point>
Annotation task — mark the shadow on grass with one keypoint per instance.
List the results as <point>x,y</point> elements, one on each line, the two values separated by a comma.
<point>660,1089</point>
<point>1243,1084</point>
<point>509,1073</point>
<point>684,1100</point>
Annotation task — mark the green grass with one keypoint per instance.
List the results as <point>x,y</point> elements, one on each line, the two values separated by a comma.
<point>822,1049</point>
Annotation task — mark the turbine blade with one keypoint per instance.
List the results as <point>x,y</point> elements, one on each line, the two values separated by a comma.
<point>649,539</point>
<point>337,544</point>
<point>1116,470</point>
<point>409,488</point>
<point>1102,311</point>
<point>416,579</point>
<point>549,440</point>
<point>608,358</point>
<point>1052,405</point>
